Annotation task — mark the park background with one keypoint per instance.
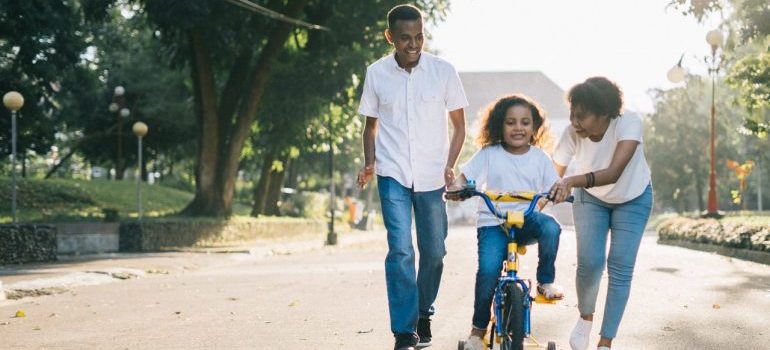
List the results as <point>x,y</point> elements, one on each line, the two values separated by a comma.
<point>254,118</point>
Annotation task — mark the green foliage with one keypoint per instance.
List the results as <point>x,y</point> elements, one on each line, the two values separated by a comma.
<point>748,53</point>
<point>59,199</point>
<point>38,41</point>
<point>751,77</point>
<point>677,145</point>
<point>749,18</point>
<point>126,52</point>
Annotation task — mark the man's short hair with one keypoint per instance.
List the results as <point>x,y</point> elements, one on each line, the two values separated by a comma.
<point>404,13</point>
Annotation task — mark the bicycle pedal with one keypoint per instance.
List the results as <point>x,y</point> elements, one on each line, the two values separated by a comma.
<point>541,299</point>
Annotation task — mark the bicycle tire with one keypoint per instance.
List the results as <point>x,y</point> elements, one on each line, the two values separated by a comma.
<point>512,318</point>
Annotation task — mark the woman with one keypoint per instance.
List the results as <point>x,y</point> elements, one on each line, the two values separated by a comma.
<point>613,194</point>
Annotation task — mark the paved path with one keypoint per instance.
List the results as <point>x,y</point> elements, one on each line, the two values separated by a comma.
<point>308,296</point>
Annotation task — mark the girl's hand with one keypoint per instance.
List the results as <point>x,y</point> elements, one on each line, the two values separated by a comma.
<point>561,190</point>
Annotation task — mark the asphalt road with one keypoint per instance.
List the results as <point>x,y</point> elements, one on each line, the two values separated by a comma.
<point>306,296</point>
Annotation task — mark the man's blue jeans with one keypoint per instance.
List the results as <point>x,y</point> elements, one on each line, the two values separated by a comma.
<point>493,250</point>
<point>625,223</point>
<point>411,295</point>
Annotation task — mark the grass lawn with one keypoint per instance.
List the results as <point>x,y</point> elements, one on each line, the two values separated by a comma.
<point>82,200</point>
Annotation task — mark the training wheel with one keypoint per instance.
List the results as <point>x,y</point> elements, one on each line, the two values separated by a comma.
<point>461,345</point>
<point>551,345</point>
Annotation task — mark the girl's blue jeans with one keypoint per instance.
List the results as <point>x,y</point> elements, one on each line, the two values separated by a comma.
<point>411,295</point>
<point>493,250</point>
<point>625,223</point>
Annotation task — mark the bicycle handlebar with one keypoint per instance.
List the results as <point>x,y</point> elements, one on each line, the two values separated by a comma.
<point>469,190</point>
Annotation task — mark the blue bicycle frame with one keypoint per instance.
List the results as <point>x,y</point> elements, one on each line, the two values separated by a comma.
<point>514,221</point>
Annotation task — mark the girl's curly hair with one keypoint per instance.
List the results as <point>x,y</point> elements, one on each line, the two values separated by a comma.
<point>493,118</point>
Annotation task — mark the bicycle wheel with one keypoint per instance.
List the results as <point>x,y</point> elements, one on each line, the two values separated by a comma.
<point>512,321</point>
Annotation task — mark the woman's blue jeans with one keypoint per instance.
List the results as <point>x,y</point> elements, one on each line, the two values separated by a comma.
<point>493,250</point>
<point>625,223</point>
<point>411,295</point>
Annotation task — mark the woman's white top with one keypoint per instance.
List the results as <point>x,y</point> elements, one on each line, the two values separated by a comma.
<point>594,156</point>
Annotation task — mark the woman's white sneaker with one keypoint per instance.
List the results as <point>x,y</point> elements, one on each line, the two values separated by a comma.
<point>579,338</point>
<point>603,348</point>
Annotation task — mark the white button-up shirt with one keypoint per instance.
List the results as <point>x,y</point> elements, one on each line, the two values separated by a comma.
<point>412,142</point>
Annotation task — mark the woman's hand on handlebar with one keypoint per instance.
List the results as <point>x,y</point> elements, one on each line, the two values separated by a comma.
<point>560,191</point>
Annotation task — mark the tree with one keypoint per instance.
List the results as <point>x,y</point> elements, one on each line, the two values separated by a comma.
<point>125,52</point>
<point>231,54</point>
<point>38,41</point>
<point>748,53</point>
<point>677,142</point>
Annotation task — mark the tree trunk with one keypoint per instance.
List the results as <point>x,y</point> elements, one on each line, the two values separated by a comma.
<point>23,165</point>
<point>700,192</point>
<point>274,191</point>
<point>260,190</point>
<point>208,197</point>
<point>220,150</point>
<point>248,112</point>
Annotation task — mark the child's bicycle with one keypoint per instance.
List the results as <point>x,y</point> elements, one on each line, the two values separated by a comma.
<point>512,301</point>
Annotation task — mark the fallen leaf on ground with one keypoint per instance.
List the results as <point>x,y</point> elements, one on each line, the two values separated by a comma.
<point>293,303</point>
<point>21,313</point>
<point>716,306</point>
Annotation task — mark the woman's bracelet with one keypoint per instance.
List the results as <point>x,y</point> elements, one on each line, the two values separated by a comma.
<point>590,179</point>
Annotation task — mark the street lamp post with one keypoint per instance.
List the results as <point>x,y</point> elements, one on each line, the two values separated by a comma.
<point>13,101</point>
<point>331,237</point>
<point>118,106</point>
<point>676,75</point>
<point>140,129</point>
<point>714,39</point>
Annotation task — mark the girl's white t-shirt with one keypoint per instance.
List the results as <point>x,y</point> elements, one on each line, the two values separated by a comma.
<point>594,156</point>
<point>495,169</point>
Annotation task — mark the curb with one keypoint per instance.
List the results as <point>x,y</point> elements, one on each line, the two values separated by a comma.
<point>756,256</point>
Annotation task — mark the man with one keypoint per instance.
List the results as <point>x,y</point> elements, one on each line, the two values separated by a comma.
<point>405,100</point>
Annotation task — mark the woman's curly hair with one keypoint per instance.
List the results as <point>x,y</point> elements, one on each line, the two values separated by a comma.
<point>597,95</point>
<point>493,118</point>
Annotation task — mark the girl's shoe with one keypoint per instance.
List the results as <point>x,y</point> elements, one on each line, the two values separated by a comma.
<point>474,342</point>
<point>603,348</point>
<point>579,338</point>
<point>550,291</point>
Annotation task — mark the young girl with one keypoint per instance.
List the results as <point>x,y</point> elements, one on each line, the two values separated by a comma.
<point>510,160</point>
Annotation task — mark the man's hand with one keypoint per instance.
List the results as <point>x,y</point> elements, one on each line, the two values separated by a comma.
<point>365,175</point>
<point>449,176</point>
